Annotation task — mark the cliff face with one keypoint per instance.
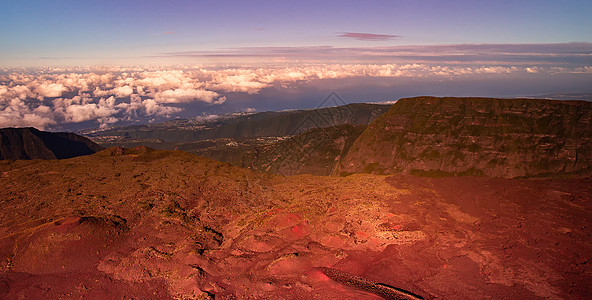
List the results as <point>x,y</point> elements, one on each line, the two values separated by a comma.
<point>475,136</point>
<point>30,143</point>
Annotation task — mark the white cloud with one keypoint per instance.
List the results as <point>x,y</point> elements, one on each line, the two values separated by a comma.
<point>50,89</point>
<point>109,94</point>
<point>78,109</point>
<point>80,113</point>
<point>122,91</point>
<point>187,95</point>
<point>152,108</point>
<point>19,115</point>
<point>244,83</point>
<point>17,91</point>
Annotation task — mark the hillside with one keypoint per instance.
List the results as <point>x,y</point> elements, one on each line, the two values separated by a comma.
<point>30,143</point>
<point>147,224</point>
<point>315,151</point>
<point>476,136</point>
<point>236,126</point>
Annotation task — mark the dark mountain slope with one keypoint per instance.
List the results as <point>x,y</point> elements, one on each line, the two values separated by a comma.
<point>476,136</point>
<point>315,151</point>
<point>262,124</point>
<point>30,143</point>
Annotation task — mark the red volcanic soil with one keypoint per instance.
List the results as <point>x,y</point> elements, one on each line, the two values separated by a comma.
<point>162,224</point>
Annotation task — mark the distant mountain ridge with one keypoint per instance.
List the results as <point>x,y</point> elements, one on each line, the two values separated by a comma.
<point>475,136</point>
<point>565,96</point>
<point>315,151</point>
<point>427,136</point>
<point>30,143</point>
<point>263,124</point>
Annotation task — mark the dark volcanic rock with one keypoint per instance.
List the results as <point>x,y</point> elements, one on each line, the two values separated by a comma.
<point>30,143</point>
<point>476,136</point>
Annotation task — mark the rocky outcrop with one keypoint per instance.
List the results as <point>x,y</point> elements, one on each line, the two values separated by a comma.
<point>30,143</point>
<point>477,137</point>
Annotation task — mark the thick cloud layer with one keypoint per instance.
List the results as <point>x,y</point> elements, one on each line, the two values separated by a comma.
<point>47,97</point>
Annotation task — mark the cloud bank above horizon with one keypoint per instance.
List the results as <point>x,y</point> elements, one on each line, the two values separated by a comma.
<point>501,54</point>
<point>367,36</point>
<point>51,96</point>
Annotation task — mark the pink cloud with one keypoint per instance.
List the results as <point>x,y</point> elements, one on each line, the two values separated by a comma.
<point>367,36</point>
<point>569,54</point>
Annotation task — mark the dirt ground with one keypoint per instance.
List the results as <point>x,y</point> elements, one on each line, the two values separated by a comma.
<point>149,224</point>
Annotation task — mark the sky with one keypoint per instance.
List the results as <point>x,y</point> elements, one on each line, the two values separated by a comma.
<point>62,32</point>
<point>270,55</point>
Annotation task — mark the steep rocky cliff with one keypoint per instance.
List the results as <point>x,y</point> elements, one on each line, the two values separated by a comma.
<point>476,136</point>
<point>30,143</point>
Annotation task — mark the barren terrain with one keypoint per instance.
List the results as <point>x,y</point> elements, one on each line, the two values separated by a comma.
<point>142,223</point>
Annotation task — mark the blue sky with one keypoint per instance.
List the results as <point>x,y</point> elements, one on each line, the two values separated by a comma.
<point>58,32</point>
<point>104,63</point>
